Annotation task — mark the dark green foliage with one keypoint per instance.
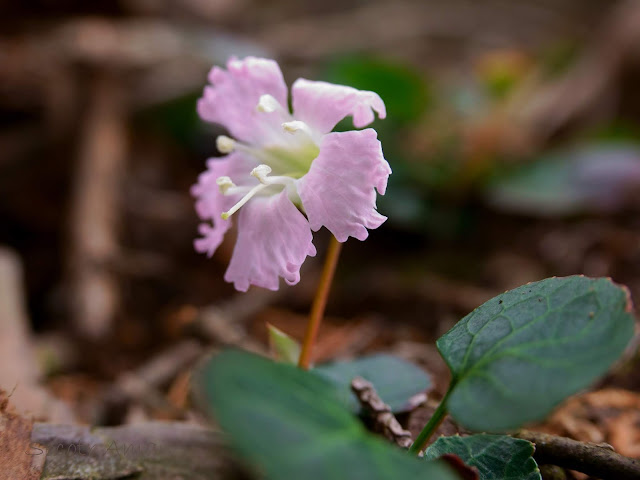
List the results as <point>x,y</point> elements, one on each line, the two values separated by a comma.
<point>289,423</point>
<point>497,457</point>
<point>521,353</point>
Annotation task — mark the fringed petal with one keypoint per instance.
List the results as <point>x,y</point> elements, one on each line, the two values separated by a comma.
<point>322,105</point>
<point>210,203</point>
<point>274,239</point>
<point>339,190</point>
<point>233,95</point>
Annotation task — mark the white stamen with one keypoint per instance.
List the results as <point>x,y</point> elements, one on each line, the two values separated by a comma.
<point>268,104</point>
<point>261,172</point>
<point>225,144</point>
<point>296,126</point>
<point>224,184</point>
<point>242,201</point>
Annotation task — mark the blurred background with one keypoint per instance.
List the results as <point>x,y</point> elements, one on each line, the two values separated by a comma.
<point>512,131</point>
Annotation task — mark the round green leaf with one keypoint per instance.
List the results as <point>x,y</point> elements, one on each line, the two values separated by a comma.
<point>291,424</point>
<point>395,380</point>
<point>497,457</point>
<point>521,353</point>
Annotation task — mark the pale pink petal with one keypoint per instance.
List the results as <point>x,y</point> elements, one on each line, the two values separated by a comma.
<point>338,191</point>
<point>274,239</point>
<point>233,95</point>
<point>211,236</point>
<point>210,203</point>
<point>322,105</point>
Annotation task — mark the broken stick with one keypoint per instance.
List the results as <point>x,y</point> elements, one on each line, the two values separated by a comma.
<point>383,419</point>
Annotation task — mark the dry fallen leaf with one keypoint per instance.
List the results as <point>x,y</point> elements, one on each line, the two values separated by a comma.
<point>610,415</point>
<point>19,458</point>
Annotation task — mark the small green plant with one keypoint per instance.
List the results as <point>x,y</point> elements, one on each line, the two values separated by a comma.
<point>512,360</point>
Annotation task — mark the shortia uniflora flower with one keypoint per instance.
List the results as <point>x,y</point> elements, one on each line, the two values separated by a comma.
<point>285,174</point>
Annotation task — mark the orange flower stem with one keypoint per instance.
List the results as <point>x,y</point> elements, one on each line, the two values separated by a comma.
<point>319,303</point>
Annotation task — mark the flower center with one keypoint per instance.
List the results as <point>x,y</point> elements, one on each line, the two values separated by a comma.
<point>261,172</point>
<point>289,156</point>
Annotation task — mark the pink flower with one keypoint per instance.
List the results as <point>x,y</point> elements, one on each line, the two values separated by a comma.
<point>285,174</point>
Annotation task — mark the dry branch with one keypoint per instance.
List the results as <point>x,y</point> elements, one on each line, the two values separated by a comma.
<point>143,384</point>
<point>94,207</point>
<point>599,461</point>
<point>380,26</point>
<point>383,419</point>
<point>226,323</point>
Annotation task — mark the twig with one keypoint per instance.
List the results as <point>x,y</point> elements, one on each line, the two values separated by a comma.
<point>143,383</point>
<point>407,22</point>
<point>599,461</point>
<point>95,295</point>
<point>151,50</point>
<point>225,323</point>
<point>383,419</point>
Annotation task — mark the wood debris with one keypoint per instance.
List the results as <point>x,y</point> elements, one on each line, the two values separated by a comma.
<point>609,416</point>
<point>380,413</point>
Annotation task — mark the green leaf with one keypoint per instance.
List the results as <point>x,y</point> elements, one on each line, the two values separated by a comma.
<point>497,457</point>
<point>592,177</point>
<point>291,424</point>
<point>521,353</point>
<point>394,379</point>
<point>284,348</point>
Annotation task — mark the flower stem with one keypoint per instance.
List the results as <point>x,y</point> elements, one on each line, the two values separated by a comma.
<point>431,426</point>
<point>319,303</point>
